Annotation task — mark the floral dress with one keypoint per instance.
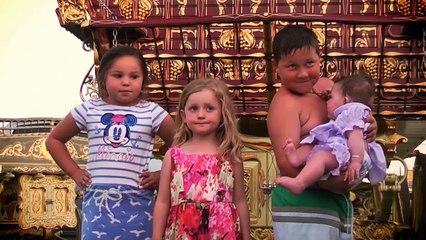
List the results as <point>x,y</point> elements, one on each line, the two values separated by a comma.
<point>201,198</point>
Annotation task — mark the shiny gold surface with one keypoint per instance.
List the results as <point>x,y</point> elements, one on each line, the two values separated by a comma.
<point>367,230</point>
<point>47,202</point>
<point>23,149</point>
<point>259,172</point>
<point>73,11</point>
<point>390,138</point>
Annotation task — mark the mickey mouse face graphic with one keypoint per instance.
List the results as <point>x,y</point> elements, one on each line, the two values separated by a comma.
<point>117,130</point>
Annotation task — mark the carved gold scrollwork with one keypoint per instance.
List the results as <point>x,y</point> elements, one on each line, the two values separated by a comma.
<point>245,68</point>
<point>221,6</point>
<point>262,233</point>
<point>247,40</point>
<point>390,139</point>
<point>144,9</point>
<point>36,150</point>
<point>228,66</point>
<point>292,5</point>
<point>365,6</point>
<point>252,178</point>
<point>363,41</point>
<point>404,6</point>
<point>155,69</point>
<point>226,39</point>
<point>389,67</point>
<point>176,69</point>
<point>126,7</point>
<point>47,202</point>
<point>259,68</point>
<point>371,66</point>
<point>320,36</point>
<point>324,6</point>
<point>185,42</point>
<point>254,5</point>
<point>73,11</point>
<point>182,6</point>
<point>368,230</point>
<point>331,68</point>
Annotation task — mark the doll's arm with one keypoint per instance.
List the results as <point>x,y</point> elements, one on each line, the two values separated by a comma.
<point>356,150</point>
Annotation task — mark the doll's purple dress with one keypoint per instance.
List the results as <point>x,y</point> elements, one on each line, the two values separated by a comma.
<point>331,136</point>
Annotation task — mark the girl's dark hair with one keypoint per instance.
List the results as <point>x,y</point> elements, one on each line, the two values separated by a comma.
<point>359,87</point>
<point>108,60</point>
<point>292,38</point>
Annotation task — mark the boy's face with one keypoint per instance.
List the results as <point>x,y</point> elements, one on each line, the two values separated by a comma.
<point>299,71</point>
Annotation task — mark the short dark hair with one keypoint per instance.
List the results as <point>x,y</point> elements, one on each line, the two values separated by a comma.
<point>359,87</point>
<point>292,38</point>
<point>108,60</point>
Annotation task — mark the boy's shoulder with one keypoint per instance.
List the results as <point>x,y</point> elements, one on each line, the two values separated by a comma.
<point>285,96</point>
<point>285,102</point>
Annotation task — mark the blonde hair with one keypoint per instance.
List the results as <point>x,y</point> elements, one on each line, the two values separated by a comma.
<point>227,131</point>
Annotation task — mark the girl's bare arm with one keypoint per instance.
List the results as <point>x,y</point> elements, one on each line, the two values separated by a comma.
<point>55,143</point>
<point>240,200</point>
<point>167,130</point>
<point>162,204</point>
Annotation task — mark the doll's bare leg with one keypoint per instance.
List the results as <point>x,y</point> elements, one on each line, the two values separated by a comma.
<point>291,154</point>
<point>321,162</point>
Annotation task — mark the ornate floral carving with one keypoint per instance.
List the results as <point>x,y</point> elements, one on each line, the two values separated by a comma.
<point>47,202</point>
<point>73,11</point>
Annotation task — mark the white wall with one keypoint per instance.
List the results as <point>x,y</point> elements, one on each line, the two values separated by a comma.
<point>41,64</point>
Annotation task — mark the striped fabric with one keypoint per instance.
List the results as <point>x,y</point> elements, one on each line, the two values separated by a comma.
<point>120,139</point>
<point>315,214</point>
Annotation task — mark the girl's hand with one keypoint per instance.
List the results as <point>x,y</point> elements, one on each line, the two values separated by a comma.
<point>150,180</point>
<point>352,173</point>
<point>82,178</point>
<point>372,128</point>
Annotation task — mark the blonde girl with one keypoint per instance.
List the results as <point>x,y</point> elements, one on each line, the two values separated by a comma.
<point>201,193</point>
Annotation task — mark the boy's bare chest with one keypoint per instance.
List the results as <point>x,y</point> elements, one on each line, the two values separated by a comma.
<point>313,113</point>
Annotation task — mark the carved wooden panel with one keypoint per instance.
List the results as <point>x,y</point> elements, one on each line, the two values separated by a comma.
<point>47,202</point>
<point>185,40</point>
<point>259,172</point>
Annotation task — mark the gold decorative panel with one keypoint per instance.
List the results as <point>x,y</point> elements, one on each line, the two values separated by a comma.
<point>23,149</point>
<point>47,202</point>
<point>231,40</point>
<point>259,172</point>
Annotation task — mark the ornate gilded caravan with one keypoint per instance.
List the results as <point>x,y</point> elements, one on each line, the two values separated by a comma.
<point>231,39</point>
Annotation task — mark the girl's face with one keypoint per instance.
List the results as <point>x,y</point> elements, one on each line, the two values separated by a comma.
<point>299,71</point>
<point>124,81</point>
<point>202,113</point>
<point>336,99</point>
